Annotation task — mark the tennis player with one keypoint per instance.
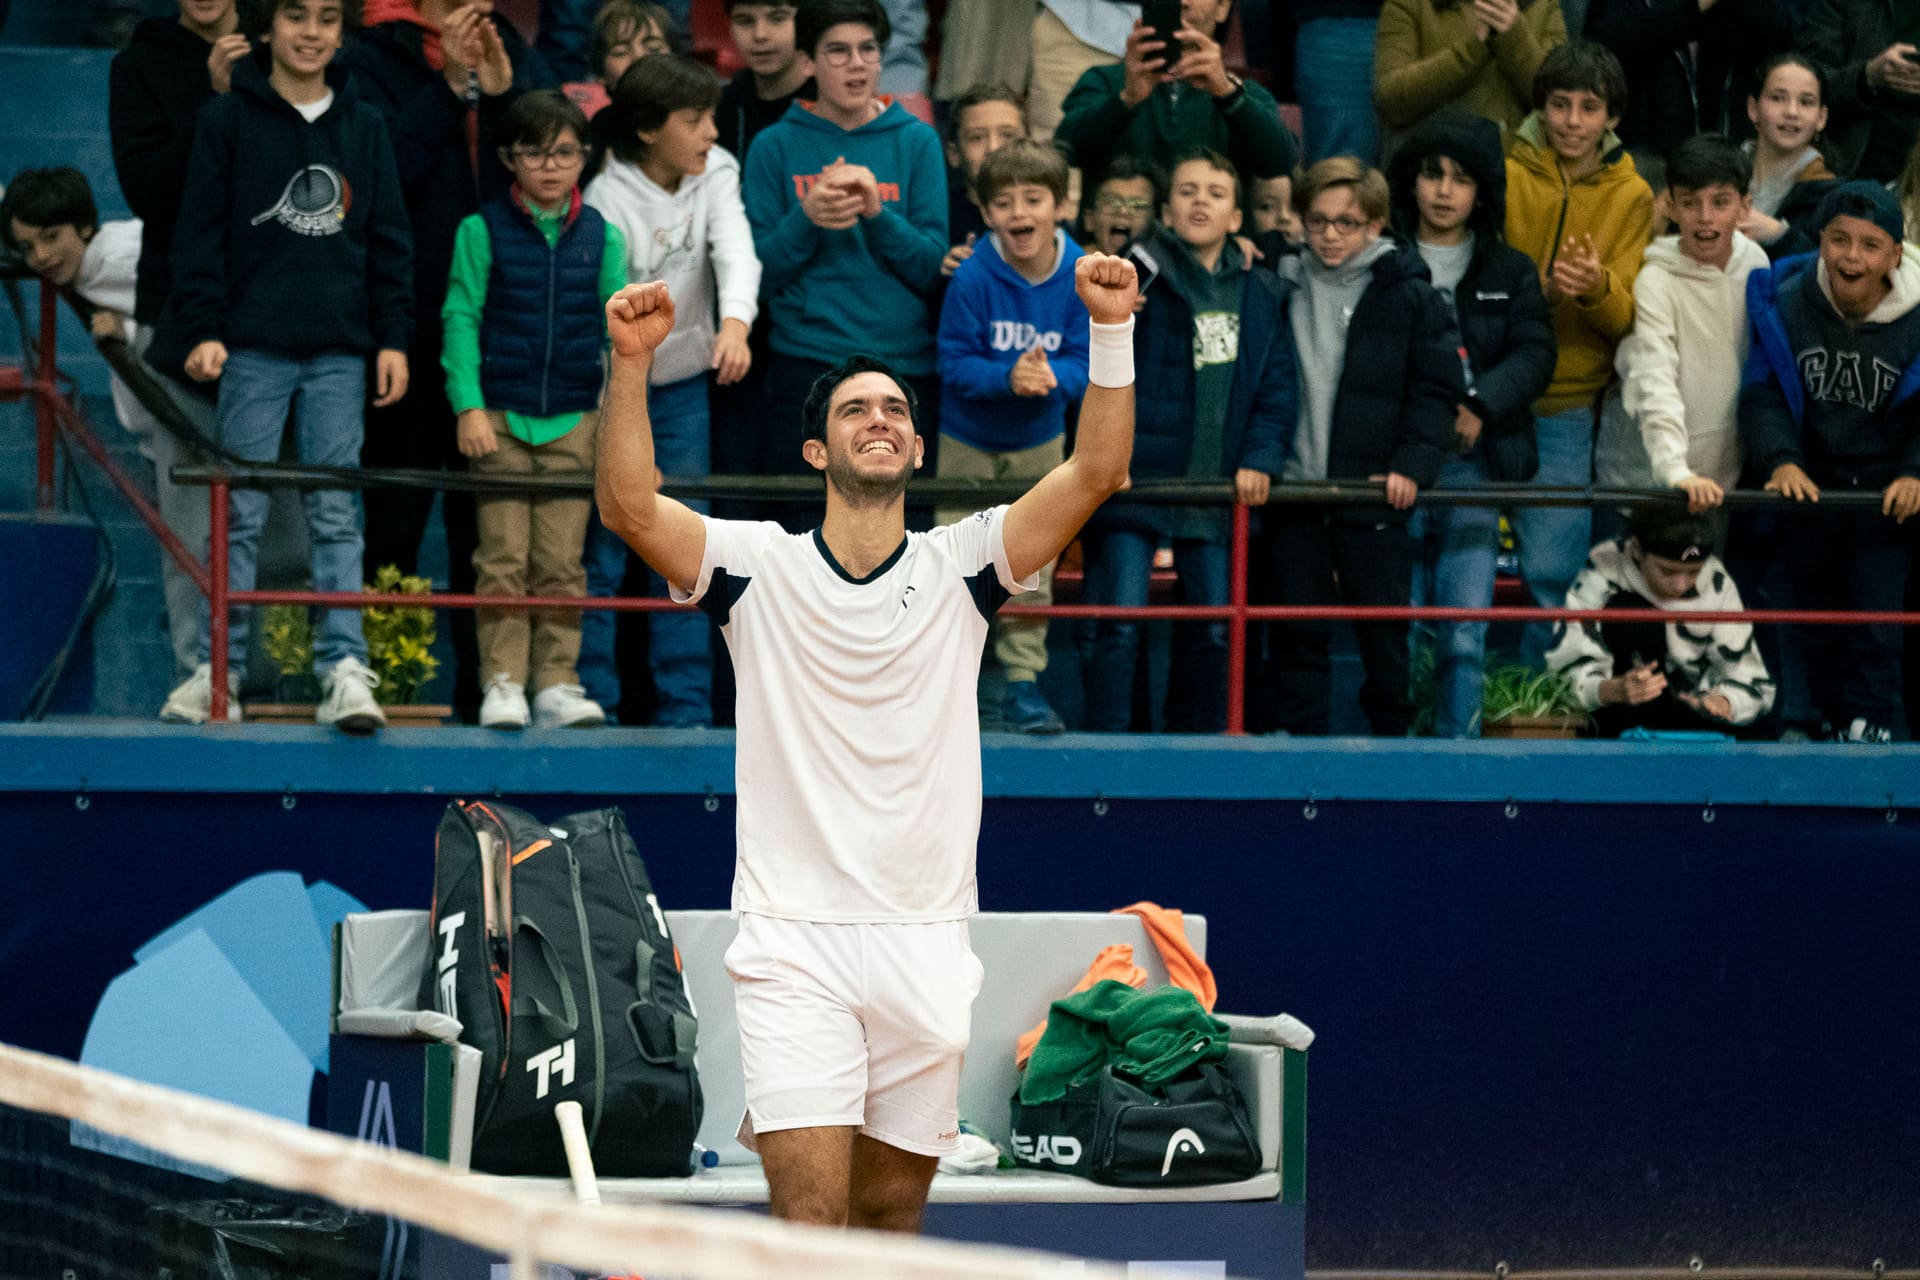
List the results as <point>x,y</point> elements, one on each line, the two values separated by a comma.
<point>857,648</point>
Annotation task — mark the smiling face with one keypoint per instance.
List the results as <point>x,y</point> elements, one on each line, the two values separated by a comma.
<point>1860,260</point>
<point>678,148</point>
<point>305,36</point>
<point>871,449</point>
<point>1576,121</point>
<point>763,33</point>
<point>52,253</point>
<point>1201,209</point>
<point>1788,113</point>
<point>984,129</point>
<point>1023,216</point>
<point>1708,217</point>
<point>1122,209</point>
<point>1445,194</point>
<point>846,67</point>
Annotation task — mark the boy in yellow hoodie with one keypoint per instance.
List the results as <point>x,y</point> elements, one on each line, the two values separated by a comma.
<point>1577,207</point>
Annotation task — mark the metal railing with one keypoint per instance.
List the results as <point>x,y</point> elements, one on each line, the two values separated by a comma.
<point>55,411</point>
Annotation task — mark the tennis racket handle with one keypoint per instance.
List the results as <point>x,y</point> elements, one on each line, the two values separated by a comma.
<point>573,1136</point>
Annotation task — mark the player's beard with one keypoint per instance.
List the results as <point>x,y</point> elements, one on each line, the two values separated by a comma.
<point>860,490</point>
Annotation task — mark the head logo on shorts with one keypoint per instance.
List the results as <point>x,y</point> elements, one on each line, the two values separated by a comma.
<point>315,202</point>
<point>1183,1141</point>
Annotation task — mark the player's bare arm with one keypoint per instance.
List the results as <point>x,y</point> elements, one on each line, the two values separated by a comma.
<point>667,534</point>
<point>1045,519</point>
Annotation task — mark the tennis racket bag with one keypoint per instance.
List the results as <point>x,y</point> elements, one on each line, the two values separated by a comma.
<point>550,948</point>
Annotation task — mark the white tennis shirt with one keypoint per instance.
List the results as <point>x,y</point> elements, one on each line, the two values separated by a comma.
<point>857,756</point>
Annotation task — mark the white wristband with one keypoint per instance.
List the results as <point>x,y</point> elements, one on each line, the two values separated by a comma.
<point>1110,353</point>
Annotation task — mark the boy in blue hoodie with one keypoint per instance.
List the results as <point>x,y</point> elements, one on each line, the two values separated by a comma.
<point>1828,403</point>
<point>1013,356</point>
<point>292,267</point>
<point>848,200</point>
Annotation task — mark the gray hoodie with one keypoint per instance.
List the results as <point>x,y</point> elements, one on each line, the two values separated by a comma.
<point>1323,303</point>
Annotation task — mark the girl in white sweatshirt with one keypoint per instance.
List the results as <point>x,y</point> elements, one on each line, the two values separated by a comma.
<point>676,197</point>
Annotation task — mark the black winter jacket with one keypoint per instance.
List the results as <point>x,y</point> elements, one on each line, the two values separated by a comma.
<point>156,86</point>
<point>1671,95</point>
<point>292,236</point>
<point>428,124</point>
<point>1504,319</point>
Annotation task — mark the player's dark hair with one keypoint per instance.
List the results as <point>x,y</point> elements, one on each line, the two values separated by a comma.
<point>255,17</point>
<point>984,93</point>
<point>1208,156</point>
<point>1582,66</point>
<point>817,17</point>
<point>537,119</point>
<point>731,5</point>
<point>813,414</point>
<point>652,90</point>
<point>1126,166</point>
<point>1019,163</point>
<point>1764,72</point>
<point>1709,160</point>
<point>49,198</point>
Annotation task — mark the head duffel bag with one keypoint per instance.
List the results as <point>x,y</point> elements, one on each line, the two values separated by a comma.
<point>1194,1129</point>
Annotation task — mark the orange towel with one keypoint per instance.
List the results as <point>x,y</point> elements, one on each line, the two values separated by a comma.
<point>1185,969</point>
<point>1115,962</point>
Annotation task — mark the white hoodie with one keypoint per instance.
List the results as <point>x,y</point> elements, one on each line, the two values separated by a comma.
<point>692,239</point>
<point>106,278</point>
<point>1680,371</point>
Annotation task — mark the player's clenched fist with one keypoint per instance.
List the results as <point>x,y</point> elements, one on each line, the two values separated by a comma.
<point>639,318</point>
<point>1107,286</point>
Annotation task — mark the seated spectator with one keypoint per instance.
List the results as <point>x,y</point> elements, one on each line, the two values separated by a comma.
<point>1578,208</point>
<point>1381,388</point>
<point>676,198</point>
<point>1121,208</point>
<point>1013,357</point>
<point>1790,175</point>
<point>524,322</point>
<point>1477,56</point>
<point>1162,102</point>
<point>1661,676</point>
<point>1449,187</point>
<point>1825,405</point>
<point>260,225</point>
<point>985,118</point>
<point>1869,59</point>
<point>847,197</point>
<point>776,73</point>
<point>624,31</point>
<point>1273,211</point>
<point>1215,338</point>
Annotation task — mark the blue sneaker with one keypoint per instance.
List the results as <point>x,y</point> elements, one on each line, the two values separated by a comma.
<point>1026,711</point>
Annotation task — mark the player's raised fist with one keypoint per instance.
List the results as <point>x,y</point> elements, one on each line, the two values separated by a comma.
<point>1107,286</point>
<point>639,318</point>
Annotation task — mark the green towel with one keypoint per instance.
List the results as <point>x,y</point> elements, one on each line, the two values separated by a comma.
<point>1154,1035</point>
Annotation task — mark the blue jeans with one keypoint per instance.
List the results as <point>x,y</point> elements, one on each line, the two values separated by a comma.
<point>327,395</point>
<point>1333,74</point>
<point>1454,550</point>
<point>1554,541</point>
<point>679,650</point>
<point>1119,566</point>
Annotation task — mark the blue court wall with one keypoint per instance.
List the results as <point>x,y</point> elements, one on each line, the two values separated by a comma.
<point>1577,1004</point>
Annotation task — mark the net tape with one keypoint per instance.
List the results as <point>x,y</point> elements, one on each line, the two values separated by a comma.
<point>525,1224</point>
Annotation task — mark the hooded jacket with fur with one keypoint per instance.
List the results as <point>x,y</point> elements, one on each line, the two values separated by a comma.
<point>1614,206</point>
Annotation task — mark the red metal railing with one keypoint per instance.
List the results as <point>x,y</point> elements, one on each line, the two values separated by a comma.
<point>54,411</point>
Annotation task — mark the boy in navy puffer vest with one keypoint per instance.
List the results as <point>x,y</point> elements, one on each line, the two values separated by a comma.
<point>525,328</point>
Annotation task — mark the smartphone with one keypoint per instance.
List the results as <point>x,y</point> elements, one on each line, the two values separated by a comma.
<point>1162,17</point>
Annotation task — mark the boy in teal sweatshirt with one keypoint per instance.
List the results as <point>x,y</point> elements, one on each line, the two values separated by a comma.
<point>847,196</point>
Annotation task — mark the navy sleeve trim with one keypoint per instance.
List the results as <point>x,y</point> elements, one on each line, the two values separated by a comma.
<point>988,595</point>
<point>723,592</point>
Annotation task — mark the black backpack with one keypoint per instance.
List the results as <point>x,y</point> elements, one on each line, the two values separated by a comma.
<point>550,947</point>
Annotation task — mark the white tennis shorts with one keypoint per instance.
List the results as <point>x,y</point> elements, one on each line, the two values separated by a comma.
<point>854,1024</point>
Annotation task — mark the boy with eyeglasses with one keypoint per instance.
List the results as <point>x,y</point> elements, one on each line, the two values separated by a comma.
<point>847,196</point>
<point>1120,210</point>
<point>525,329</point>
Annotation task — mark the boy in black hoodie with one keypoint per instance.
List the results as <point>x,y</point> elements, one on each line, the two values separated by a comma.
<point>292,262</point>
<point>776,72</point>
<point>1449,185</point>
<point>1380,389</point>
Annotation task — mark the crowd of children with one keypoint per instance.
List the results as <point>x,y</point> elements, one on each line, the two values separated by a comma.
<point>395,232</point>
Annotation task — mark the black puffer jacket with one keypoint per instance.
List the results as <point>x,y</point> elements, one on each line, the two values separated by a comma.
<point>1504,319</point>
<point>1687,71</point>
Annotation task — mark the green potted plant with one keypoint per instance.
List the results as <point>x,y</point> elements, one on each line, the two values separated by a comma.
<point>1518,701</point>
<point>399,649</point>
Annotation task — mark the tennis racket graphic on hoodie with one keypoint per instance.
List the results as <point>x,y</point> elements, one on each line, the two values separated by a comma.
<point>315,202</point>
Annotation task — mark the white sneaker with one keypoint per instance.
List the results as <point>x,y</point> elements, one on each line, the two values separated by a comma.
<point>1865,730</point>
<point>346,700</point>
<point>192,701</point>
<point>566,706</point>
<point>505,705</point>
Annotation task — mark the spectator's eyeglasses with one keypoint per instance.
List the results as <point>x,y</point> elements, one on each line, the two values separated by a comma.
<point>1124,204</point>
<point>558,158</point>
<point>840,55</point>
<point>1346,225</point>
